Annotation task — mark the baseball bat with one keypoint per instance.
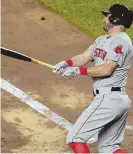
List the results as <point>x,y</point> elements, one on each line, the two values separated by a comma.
<point>17,55</point>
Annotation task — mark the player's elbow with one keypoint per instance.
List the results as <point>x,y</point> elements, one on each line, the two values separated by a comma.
<point>107,72</point>
<point>108,68</point>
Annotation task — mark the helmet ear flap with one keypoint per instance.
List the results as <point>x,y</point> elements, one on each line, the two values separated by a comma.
<point>114,20</point>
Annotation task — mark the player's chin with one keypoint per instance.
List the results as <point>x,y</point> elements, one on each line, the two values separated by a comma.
<point>105,29</point>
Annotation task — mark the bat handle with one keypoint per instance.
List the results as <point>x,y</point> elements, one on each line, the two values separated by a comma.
<point>42,63</point>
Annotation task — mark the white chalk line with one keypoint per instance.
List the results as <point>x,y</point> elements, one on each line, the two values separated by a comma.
<point>5,85</point>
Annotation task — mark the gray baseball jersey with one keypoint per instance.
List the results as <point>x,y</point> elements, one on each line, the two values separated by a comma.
<point>118,49</point>
<point>106,115</point>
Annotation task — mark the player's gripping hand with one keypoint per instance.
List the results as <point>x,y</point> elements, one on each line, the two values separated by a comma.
<point>71,72</point>
<point>59,67</point>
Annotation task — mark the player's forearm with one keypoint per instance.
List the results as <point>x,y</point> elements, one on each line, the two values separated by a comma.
<point>81,60</point>
<point>96,71</point>
<point>78,60</point>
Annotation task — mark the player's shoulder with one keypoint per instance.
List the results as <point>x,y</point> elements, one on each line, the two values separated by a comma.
<point>99,38</point>
<point>122,38</point>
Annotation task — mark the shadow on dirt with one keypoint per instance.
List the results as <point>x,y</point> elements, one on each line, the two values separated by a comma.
<point>11,138</point>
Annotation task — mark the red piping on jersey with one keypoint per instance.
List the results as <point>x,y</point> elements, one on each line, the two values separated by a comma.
<point>89,116</point>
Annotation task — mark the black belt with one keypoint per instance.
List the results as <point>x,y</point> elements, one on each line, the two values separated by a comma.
<point>112,89</point>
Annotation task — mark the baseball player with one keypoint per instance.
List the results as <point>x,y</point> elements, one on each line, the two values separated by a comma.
<point>107,114</point>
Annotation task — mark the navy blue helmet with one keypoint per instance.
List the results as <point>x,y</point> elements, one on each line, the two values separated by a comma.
<point>119,14</point>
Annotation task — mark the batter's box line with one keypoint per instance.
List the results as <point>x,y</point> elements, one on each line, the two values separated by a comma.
<point>23,97</point>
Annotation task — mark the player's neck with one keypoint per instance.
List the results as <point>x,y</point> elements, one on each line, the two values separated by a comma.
<point>116,29</point>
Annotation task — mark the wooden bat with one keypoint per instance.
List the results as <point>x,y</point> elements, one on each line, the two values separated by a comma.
<point>17,55</point>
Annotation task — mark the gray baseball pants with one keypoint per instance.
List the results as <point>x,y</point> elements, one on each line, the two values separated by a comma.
<point>105,117</point>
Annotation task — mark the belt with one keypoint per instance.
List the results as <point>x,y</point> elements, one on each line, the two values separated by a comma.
<point>106,90</point>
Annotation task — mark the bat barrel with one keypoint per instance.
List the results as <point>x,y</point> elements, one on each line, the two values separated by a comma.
<point>17,55</point>
<point>14,54</point>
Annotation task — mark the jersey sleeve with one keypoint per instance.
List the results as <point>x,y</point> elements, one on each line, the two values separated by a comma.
<point>117,51</point>
<point>92,47</point>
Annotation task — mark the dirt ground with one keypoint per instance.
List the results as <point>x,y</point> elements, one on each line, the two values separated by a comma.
<point>49,40</point>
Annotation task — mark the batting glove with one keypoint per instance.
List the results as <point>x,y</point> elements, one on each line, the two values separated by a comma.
<point>59,68</point>
<point>71,72</point>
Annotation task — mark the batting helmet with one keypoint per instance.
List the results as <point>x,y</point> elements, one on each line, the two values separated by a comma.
<point>119,15</point>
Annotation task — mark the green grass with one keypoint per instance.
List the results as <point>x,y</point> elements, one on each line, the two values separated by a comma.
<point>86,14</point>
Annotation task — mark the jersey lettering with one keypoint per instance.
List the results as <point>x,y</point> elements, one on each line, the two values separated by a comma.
<point>100,53</point>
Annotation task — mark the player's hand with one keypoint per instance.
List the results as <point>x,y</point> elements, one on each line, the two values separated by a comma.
<point>71,72</point>
<point>59,67</point>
